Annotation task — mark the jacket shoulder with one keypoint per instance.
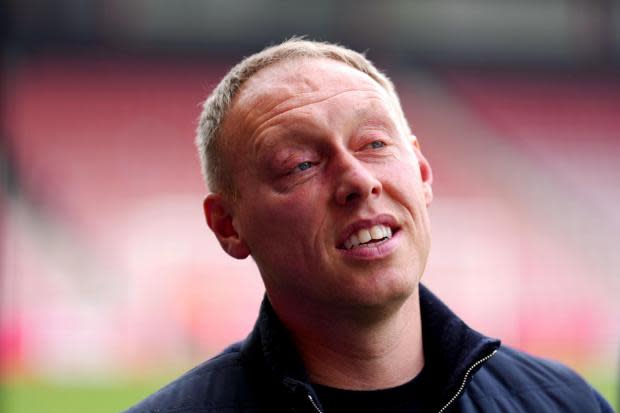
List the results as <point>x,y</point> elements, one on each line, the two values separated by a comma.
<point>216,384</point>
<point>515,381</point>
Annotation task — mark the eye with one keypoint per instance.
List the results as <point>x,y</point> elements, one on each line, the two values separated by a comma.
<point>304,165</point>
<point>376,144</point>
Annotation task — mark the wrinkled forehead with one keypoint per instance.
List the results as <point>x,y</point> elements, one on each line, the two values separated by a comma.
<point>299,79</point>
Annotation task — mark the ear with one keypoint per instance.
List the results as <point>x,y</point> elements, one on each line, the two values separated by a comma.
<point>426,172</point>
<point>220,219</point>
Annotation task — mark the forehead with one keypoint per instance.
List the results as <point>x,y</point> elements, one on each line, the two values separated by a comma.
<point>302,77</point>
<point>293,84</point>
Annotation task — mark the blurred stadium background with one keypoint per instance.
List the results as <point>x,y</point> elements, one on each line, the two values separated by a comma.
<point>111,284</point>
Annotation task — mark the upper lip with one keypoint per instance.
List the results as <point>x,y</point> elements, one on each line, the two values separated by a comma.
<point>382,219</point>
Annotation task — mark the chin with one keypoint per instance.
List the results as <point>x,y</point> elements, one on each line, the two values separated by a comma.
<point>383,293</point>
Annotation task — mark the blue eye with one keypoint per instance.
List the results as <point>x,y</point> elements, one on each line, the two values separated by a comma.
<point>376,144</point>
<point>304,165</point>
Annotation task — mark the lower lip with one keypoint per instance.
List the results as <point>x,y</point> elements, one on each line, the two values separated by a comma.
<point>374,251</point>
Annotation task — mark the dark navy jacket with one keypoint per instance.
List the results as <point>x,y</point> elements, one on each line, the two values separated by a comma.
<point>471,373</point>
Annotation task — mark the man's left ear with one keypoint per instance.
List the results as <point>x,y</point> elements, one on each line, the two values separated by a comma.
<point>426,173</point>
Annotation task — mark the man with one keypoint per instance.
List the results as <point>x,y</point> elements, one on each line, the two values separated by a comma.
<point>314,172</point>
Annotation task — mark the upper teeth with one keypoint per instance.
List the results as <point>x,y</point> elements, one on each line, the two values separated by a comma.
<point>364,235</point>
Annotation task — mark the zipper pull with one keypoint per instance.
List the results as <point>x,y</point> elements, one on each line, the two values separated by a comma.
<point>314,404</point>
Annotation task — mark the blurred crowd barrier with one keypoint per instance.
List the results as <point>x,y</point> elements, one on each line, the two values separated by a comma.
<point>108,265</point>
<point>108,269</point>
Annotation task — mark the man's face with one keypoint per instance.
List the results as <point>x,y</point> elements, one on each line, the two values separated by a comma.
<point>321,162</point>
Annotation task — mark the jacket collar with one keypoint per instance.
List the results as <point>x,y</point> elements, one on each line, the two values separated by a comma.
<point>450,347</point>
<point>273,343</point>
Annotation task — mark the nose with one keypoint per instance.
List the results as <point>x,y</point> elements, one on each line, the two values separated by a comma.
<point>355,181</point>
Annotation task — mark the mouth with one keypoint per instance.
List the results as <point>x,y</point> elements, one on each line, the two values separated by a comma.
<point>368,235</point>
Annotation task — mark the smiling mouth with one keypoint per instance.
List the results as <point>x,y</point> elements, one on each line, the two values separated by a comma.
<point>365,237</point>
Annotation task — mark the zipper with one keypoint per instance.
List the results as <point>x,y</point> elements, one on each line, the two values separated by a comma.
<point>316,407</point>
<point>456,395</point>
<point>467,373</point>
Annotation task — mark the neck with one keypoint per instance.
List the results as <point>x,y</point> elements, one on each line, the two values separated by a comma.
<point>347,353</point>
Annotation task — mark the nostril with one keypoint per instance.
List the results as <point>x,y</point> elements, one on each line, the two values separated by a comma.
<point>356,183</point>
<point>352,196</point>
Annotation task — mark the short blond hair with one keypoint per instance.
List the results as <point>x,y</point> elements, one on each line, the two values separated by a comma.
<point>218,104</point>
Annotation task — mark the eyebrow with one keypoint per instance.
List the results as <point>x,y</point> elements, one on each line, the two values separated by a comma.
<point>375,122</point>
<point>298,133</point>
<point>267,149</point>
<point>294,135</point>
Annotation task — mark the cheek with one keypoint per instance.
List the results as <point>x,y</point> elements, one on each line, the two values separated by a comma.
<point>282,219</point>
<point>283,235</point>
<point>404,176</point>
<point>403,184</point>
<point>296,209</point>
